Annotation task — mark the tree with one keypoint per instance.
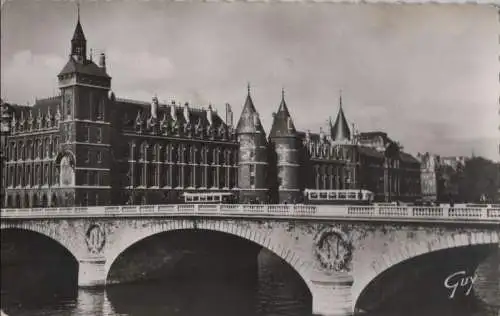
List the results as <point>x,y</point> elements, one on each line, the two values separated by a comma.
<point>480,177</point>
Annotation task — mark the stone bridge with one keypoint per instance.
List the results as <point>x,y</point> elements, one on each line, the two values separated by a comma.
<point>338,251</point>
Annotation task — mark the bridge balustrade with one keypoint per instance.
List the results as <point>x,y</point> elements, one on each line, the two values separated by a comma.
<point>428,211</point>
<point>394,211</point>
<point>361,210</point>
<point>493,212</point>
<point>470,212</point>
<point>285,210</point>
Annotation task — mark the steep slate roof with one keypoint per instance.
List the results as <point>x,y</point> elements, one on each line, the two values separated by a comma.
<point>249,121</point>
<point>128,110</point>
<point>405,157</point>
<point>78,34</point>
<point>86,67</point>
<point>340,129</point>
<point>282,122</point>
<point>44,105</point>
<point>372,152</point>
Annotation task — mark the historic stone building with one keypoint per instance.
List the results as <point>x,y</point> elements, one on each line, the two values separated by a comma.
<point>430,176</point>
<point>88,147</point>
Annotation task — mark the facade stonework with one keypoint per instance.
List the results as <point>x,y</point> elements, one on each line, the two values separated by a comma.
<point>336,260</point>
<point>88,147</point>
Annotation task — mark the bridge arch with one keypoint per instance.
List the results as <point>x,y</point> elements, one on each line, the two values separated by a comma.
<point>416,249</point>
<point>42,230</point>
<point>285,253</point>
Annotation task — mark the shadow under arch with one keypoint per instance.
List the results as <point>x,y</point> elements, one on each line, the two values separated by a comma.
<point>239,253</point>
<point>418,283</point>
<point>284,253</point>
<point>36,270</point>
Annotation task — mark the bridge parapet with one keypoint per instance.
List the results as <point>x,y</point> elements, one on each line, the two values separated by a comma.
<point>490,214</point>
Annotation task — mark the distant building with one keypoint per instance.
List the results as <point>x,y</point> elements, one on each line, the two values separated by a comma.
<point>430,170</point>
<point>88,147</point>
<point>455,162</point>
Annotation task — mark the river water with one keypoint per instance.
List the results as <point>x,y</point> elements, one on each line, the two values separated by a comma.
<point>276,291</point>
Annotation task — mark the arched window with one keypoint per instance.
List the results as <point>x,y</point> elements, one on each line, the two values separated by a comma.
<point>67,172</point>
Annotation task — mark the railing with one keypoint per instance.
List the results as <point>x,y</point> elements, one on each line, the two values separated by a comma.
<point>485,214</point>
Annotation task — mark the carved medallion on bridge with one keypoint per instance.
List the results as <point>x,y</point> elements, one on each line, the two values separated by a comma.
<point>95,239</point>
<point>333,250</point>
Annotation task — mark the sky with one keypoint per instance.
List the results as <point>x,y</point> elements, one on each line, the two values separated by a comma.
<point>425,74</point>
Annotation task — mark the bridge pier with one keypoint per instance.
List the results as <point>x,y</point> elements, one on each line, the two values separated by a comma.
<point>331,295</point>
<point>91,272</point>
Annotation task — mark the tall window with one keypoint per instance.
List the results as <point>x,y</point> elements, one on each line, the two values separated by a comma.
<point>85,134</point>
<point>280,176</point>
<point>99,135</point>
<point>99,178</point>
<point>252,176</point>
<point>37,175</point>
<point>99,157</point>
<point>46,174</point>
<point>85,177</point>
<point>92,178</point>
<point>143,176</point>
<point>100,109</point>
<point>56,146</point>
<point>47,147</point>
<point>28,175</point>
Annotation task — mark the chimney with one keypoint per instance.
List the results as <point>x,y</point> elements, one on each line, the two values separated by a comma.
<point>102,61</point>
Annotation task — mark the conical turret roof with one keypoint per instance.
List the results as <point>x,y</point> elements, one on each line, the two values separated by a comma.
<point>282,123</point>
<point>340,129</point>
<point>78,35</point>
<point>249,121</point>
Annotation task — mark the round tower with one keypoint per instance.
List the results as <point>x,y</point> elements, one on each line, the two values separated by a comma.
<point>284,141</point>
<point>252,156</point>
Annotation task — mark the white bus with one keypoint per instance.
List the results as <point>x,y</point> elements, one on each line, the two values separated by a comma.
<point>338,196</point>
<point>209,198</point>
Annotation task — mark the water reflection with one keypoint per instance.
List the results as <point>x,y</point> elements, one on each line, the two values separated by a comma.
<point>278,290</point>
